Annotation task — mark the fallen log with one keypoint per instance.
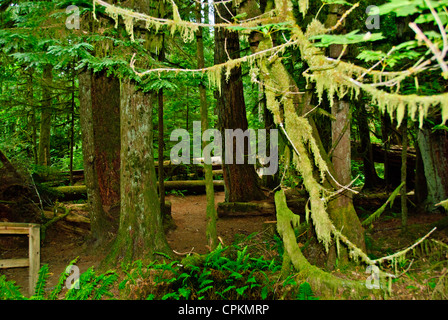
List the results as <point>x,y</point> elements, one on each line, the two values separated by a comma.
<point>75,218</point>
<point>257,208</point>
<point>68,193</point>
<point>233,209</point>
<point>170,169</point>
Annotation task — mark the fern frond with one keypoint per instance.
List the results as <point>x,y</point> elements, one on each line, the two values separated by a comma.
<point>53,295</point>
<point>41,283</point>
<point>9,291</point>
<point>305,292</point>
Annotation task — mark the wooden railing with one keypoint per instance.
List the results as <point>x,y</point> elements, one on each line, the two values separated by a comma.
<point>33,261</point>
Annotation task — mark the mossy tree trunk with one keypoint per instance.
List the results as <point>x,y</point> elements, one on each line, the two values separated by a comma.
<point>140,232</point>
<point>241,180</point>
<point>340,208</point>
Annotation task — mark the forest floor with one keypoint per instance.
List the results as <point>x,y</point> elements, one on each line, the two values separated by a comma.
<point>426,278</point>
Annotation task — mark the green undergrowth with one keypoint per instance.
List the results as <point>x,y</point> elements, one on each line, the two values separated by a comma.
<point>235,272</point>
<point>250,269</point>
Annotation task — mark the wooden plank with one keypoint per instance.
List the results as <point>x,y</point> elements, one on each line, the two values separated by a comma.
<point>14,230</point>
<point>34,257</point>
<point>14,263</point>
<point>17,224</point>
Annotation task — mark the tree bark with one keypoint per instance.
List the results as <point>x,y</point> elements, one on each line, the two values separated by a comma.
<point>434,150</point>
<point>403,192</point>
<point>211,214</point>
<point>241,179</point>
<point>341,209</point>
<point>72,123</point>
<point>32,126</point>
<point>371,178</point>
<point>140,232</point>
<point>100,124</point>
<point>43,154</point>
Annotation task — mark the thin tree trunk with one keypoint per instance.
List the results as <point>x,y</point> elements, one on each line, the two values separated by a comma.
<point>371,178</point>
<point>43,155</point>
<point>161,143</point>
<point>404,154</point>
<point>32,126</point>
<point>212,238</point>
<point>72,124</point>
<point>160,151</point>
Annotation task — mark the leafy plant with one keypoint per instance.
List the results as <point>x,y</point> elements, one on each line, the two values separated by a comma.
<point>305,292</point>
<point>91,286</point>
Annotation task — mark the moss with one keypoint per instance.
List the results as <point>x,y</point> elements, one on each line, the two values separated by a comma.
<point>319,279</point>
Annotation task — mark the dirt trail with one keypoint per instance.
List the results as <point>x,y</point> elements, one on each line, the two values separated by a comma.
<point>188,212</point>
<point>189,215</point>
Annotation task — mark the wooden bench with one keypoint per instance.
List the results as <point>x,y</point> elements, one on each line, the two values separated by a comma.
<point>33,261</point>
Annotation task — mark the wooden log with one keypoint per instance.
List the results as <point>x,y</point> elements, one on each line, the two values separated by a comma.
<point>235,209</point>
<point>80,192</point>
<point>257,208</point>
<point>76,218</point>
<point>168,166</point>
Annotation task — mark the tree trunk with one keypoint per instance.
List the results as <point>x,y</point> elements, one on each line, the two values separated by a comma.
<point>161,147</point>
<point>404,199</point>
<point>43,155</point>
<point>72,123</point>
<point>32,126</point>
<point>140,232</point>
<point>421,190</point>
<point>241,179</point>
<point>341,209</point>
<point>434,150</point>
<point>100,123</point>
<point>211,214</point>
<point>371,178</point>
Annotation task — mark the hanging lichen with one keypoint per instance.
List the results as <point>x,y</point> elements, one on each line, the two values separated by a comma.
<point>299,132</point>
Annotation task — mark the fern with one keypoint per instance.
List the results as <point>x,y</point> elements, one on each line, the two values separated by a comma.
<point>92,286</point>
<point>104,285</point>
<point>54,294</point>
<point>305,292</point>
<point>9,291</point>
<point>41,283</point>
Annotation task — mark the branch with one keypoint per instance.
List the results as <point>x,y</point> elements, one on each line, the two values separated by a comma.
<point>216,66</point>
